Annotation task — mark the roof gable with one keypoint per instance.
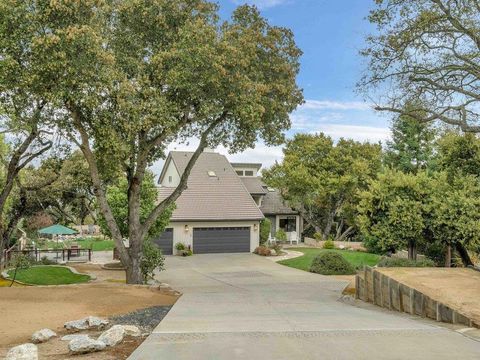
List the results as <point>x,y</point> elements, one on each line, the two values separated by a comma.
<point>219,197</point>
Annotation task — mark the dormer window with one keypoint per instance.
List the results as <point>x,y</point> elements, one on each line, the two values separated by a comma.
<point>239,172</point>
<point>248,173</point>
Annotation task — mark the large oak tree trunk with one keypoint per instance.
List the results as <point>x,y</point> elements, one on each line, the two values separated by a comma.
<point>463,254</point>
<point>412,250</point>
<point>448,256</point>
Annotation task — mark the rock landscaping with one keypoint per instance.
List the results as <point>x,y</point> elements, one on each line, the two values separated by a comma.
<point>112,336</point>
<point>90,322</point>
<point>144,319</point>
<point>73,337</point>
<point>83,345</point>
<point>23,352</point>
<point>43,335</point>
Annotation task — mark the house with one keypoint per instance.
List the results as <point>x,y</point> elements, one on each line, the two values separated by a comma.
<point>221,209</point>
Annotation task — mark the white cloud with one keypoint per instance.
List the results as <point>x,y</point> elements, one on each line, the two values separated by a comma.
<point>261,4</point>
<point>335,105</point>
<point>355,132</point>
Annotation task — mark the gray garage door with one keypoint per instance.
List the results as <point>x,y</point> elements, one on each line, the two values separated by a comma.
<point>165,242</point>
<point>221,240</point>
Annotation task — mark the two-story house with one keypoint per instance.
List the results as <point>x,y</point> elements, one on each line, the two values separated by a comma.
<point>221,209</point>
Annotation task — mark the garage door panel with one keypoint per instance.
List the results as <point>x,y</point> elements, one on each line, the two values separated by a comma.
<point>221,240</point>
<point>165,241</point>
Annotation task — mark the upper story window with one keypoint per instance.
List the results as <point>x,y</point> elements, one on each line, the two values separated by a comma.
<point>170,179</point>
<point>245,172</point>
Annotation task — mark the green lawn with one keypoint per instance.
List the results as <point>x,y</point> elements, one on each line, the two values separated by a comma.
<point>95,243</point>
<point>49,275</point>
<point>356,258</point>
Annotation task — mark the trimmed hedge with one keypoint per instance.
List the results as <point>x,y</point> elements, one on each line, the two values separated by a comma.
<point>329,244</point>
<point>331,263</point>
<point>402,262</point>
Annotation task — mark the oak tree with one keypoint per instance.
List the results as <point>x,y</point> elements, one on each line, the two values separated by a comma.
<point>128,78</point>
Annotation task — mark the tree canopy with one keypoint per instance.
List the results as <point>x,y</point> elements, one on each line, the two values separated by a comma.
<point>321,179</point>
<point>124,79</point>
<point>426,52</point>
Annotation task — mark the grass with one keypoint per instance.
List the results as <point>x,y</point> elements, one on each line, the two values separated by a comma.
<point>356,258</point>
<point>95,243</point>
<point>6,283</point>
<point>49,275</point>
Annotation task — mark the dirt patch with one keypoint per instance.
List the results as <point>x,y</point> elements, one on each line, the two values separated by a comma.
<point>24,310</point>
<point>99,273</point>
<point>459,288</point>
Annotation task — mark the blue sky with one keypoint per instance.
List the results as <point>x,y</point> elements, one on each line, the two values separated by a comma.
<point>330,34</point>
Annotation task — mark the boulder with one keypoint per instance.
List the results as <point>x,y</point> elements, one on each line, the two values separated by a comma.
<point>83,345</point>
<point>112,336</point>
<point>96,322</point>
<point>43,335</point>
<point>74,336</point>
<point>86,323</point>
<point>23,352</point>
<point>132,330</point>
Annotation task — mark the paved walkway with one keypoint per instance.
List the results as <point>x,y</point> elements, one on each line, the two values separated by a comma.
<point>242,306</point>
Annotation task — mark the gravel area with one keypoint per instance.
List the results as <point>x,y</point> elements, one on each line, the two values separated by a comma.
<point>146,319</point>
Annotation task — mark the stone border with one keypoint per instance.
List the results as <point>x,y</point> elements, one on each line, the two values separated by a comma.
<point>290,254</point>
<point>380,289</point>
<point>5,275</point>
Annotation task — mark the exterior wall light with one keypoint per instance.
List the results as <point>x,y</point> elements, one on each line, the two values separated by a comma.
<point>255,227</point>
<point>186,228</point>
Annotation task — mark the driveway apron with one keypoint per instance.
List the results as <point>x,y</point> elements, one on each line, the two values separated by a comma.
<point>242,306</point>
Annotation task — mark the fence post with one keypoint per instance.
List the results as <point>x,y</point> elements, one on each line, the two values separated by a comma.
<point>90,255</point>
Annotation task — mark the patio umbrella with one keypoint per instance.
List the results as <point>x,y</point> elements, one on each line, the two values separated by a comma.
<point>57,229</point>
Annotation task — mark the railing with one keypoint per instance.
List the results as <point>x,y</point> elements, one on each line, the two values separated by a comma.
<point>56,255</point>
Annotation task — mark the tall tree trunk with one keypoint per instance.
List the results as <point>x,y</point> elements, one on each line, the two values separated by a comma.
<point>448,256</point>
<point>462,251</point>
<point>412,250</point>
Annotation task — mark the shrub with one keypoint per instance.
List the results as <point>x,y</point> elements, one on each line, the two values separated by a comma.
<point>402,262</point>
<point>265,227</point>
<point>185,252</point>
<point>263,251</point>
<point>152,259</point>
<point>277,248</point>
<point>331,263</point>
<point>329,244</point>
<point>180,246</point>
<point>281,235</point>
<point>318,236</point>
<point>19,262</point>
<point>45,261</point>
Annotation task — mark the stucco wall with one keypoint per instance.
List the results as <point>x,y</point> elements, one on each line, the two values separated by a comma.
<point>171,171</point>
<point>186,237</point>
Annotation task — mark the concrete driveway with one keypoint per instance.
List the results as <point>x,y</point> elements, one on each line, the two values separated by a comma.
<point>242,306</point>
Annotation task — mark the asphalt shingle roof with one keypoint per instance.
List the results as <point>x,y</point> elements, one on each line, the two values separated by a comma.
<point>211,198</point>
<point>274,204</point>
<point>254,185</point>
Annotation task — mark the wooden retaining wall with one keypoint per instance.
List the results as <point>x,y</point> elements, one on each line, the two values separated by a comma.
<point>377,288</point>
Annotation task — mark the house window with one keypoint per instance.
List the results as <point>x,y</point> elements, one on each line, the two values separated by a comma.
<point>248,173</point>
<point>288,224</point>
<point>239,172</point>
<point>170,179</point>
